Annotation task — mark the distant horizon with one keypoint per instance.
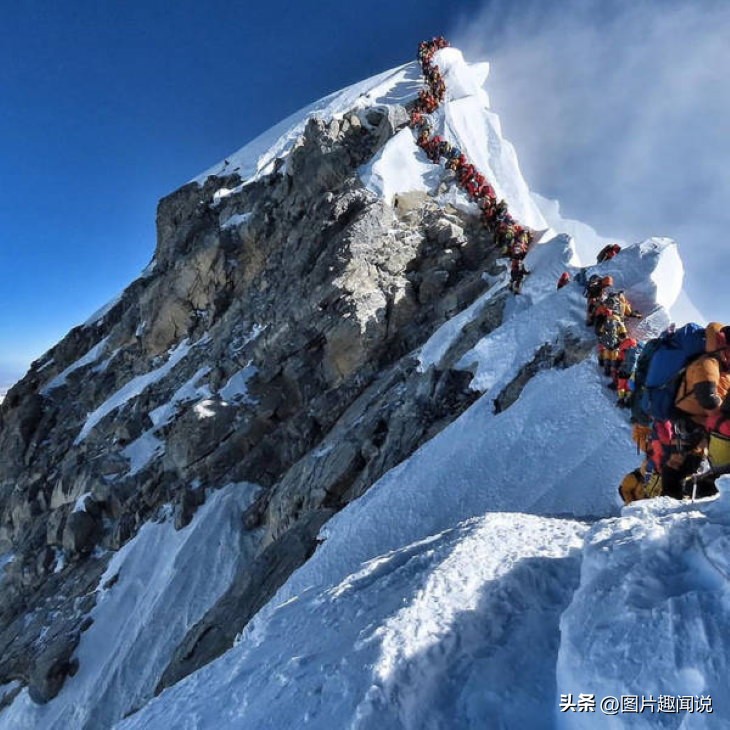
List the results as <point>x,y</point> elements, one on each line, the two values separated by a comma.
<point>9,377</point>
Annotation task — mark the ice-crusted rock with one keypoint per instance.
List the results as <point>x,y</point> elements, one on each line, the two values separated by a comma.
<point>305,326</point>
<point>271,342</point>
<point>51,668</point>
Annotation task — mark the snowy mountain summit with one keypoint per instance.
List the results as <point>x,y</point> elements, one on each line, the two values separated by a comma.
<point>319,467</point>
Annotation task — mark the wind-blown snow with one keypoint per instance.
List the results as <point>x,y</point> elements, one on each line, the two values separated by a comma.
<point>684,310</point>
<point>668,277</point>
<point>165,581</point>
<point>587,241</point>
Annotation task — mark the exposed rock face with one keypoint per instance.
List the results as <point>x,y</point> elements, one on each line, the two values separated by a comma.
<point>272,342</point>
<point>79,533</point>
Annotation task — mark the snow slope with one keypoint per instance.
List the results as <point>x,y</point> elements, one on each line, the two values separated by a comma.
<point>155,588</point>
<point>403,641</point>
<point>465,120</point>
<point>436,599</point>
<point>651,616</point>
<point>481,579</point>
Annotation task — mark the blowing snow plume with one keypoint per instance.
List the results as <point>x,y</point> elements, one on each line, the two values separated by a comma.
<point>614,109</point>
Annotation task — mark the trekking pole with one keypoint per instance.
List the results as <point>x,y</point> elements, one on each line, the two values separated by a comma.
<point>692,479</point>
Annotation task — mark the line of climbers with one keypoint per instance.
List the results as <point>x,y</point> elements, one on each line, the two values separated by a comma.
<point>677,386</point>
<point>618,351</point>
<point>513,238</point>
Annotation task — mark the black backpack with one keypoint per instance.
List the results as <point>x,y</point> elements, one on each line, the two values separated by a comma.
<point>610,331</point>
<point>593,288</point>
<point>613,302</point>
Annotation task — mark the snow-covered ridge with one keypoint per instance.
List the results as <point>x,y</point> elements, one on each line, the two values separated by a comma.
<point>465,119</point>
<point>467,122</point>
<point>440,595</point>
<point>454,592</point>
<point>396,86</point>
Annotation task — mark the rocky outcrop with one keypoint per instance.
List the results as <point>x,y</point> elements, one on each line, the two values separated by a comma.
<point>273,341</point>
<point>37,645</point>
<point>560,355</point>
<point>79,533</point>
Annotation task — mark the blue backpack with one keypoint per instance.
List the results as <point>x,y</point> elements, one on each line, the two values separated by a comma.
<point>638,398</point>
<point>674,351</point>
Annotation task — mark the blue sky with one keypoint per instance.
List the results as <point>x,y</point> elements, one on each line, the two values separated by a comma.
<point>108,106</point>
